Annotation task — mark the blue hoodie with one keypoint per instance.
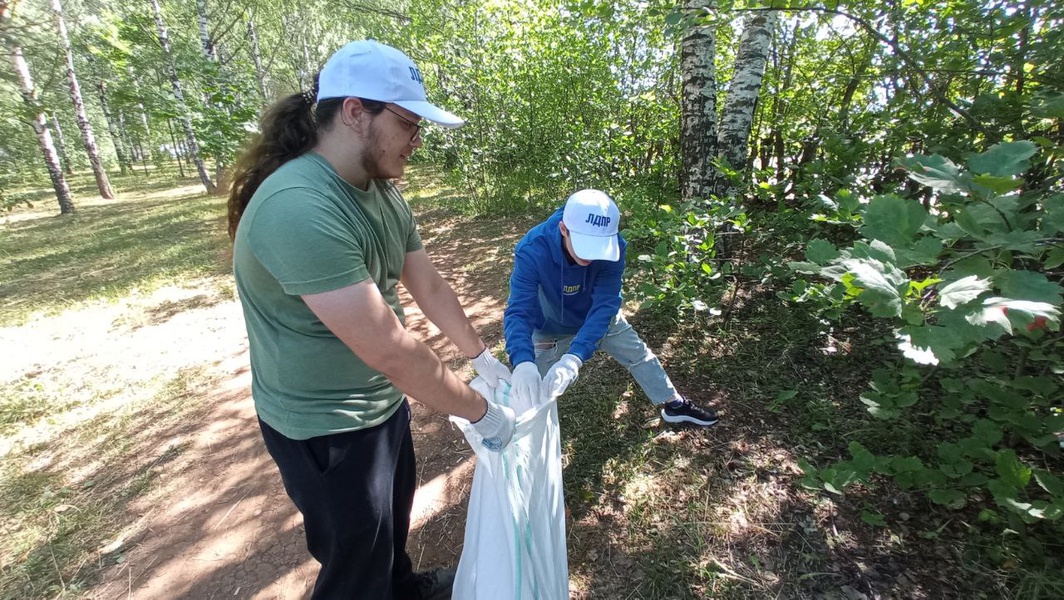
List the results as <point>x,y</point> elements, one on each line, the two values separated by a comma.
<point>552,294</point>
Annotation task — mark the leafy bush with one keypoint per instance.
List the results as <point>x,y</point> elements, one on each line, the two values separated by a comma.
<point>969,280</point>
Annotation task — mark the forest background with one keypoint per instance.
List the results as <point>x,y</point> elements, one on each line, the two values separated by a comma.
<point>885,174</point>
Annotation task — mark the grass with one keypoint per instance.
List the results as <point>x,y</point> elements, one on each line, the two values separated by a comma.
<point>83,436</point>
<point>157,232</point>
<point>658,513</point>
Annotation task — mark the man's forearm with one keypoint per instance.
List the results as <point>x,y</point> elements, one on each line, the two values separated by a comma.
<point>416,370</point>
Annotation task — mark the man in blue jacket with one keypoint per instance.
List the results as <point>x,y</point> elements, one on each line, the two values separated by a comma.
<point>565,303</point>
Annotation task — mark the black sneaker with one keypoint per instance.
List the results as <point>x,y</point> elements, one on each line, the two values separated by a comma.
<point>435,584</point>
<point>689,413</point>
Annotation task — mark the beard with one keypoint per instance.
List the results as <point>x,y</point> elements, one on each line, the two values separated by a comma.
<point>374,160</point>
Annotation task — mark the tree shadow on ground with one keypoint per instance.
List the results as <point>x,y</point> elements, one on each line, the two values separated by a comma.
<point>658,513</point>
<point>108,250</point>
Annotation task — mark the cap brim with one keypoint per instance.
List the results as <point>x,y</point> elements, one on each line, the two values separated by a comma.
<point>431,112</point>
<point>595,247</point>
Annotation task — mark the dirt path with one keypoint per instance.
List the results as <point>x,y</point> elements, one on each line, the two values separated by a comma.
<point>219,525</point>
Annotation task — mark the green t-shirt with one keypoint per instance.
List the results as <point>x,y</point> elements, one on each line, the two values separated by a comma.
<point>308,231</point>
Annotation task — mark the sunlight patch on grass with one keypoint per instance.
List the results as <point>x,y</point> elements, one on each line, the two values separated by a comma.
<point>84,362</point>
<point>62,499</point>
<point>144,240</point>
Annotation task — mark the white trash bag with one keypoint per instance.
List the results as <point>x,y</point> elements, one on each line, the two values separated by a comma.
<point>515,526</point>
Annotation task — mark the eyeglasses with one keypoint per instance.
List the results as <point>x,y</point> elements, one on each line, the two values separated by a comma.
<point>416,126</point>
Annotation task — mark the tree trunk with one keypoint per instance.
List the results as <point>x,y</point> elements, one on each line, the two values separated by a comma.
<point>868,53</point>
<point>179,96</point>
<point>204,33</point>
<point>40,126</point>
<point>256,57</point>
<point>210,52</point>
<point>102,183</point>
<point>177,150</point>
<point>698,110</point>
<point>63,158</point>
<point>112,127</point>
<point>733,137</point>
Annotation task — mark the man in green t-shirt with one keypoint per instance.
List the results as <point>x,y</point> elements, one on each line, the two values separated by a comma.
<point>321,238</point>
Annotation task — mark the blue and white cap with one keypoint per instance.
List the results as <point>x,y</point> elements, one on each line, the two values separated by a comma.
<point>592,219</point>
<point>374,71</point>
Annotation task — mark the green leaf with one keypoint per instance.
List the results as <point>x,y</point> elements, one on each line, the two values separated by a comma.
<point>847,201</point>
<point>979,220</point>
<point>1020,241</point>
<point>1043,386</point>
<point>821,251</point>
<point>1004,159</point>
<point>924,252</point>
<point>893,220</point>
<point>949,452</point>
<point>929,344</point>
<point>1011,470</point>
<point>876,408</point>
<point>957,469</point>
<point>906,464</point>
<point>953,499</point>
<point>976,264</point>
<point>1053,214</point>
<point>935,171</point>
<point>874,519</point>
<point>879,285</point>
<point>863,460</point>
<point>998,185</point>
<point>1028,285</point>
<point>1054,258</point>
<point>876,250</point>
<point>1049,482</point>
<point>804,267</point>
<point>1044,510</point>
<point>986,431</point>
<point>1049,106</point>
<point>999,311</point>
<point>962,291</point>
<point>1002,491</point>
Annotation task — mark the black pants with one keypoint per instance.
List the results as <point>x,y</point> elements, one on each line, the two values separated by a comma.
<point>356,491</point>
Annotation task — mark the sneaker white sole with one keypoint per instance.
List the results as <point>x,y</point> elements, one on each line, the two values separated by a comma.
<point>685,419</point>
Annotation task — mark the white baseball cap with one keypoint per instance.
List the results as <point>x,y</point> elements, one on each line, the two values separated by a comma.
<point>371,70</point>
<point>592,220</point>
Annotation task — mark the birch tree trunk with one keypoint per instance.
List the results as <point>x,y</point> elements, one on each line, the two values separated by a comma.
<point>204,33</point>
<point>256,57</point>
<point>733,137</point>
<point>179,96</point>
<point>221,80</point>
<point>40,123</point>
<point>63,158</point>
<point>103,184</point>
<point>112,127</point>
<point>698,108</point>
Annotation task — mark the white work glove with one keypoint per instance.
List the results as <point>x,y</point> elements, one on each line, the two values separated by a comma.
<point>498,423</point>
<point>490,369</point>
<point>560,376</point>
<point>526,383</point>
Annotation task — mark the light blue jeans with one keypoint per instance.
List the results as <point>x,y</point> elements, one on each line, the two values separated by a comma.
<point>625,346</point>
